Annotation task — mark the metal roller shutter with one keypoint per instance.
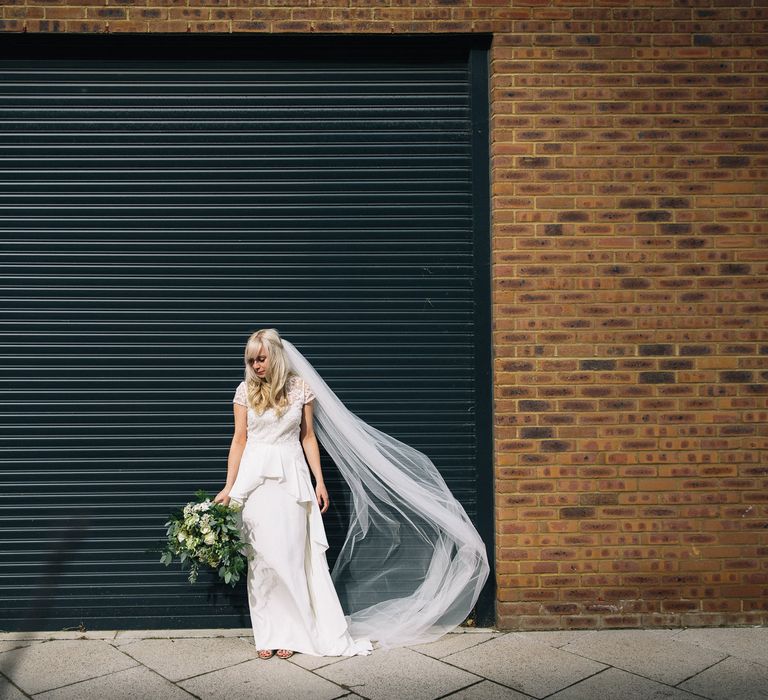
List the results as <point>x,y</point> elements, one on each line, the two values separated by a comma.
<point>163,197</point>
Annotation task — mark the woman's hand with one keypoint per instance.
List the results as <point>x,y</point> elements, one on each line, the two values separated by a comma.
<point>322,497</point>
<point>222,497</point>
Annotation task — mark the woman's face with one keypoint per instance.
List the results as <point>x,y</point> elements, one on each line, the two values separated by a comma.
<point>260,362</point>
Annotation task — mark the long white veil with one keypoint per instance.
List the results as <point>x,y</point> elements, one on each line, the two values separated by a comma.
<point>412,565</point>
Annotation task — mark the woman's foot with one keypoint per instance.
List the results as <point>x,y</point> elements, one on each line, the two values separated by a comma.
<point>266,653</point>
<point>284,653</point>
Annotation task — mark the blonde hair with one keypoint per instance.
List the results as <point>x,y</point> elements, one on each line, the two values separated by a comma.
<point>271,390</point>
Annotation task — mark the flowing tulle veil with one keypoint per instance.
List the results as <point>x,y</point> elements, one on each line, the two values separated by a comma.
<point>412,564</point>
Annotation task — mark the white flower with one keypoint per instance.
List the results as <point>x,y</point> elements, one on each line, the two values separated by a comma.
<point>210,538</point>
<point>181,537</point>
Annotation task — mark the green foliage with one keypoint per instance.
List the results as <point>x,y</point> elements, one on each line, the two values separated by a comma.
<point>203,533</point>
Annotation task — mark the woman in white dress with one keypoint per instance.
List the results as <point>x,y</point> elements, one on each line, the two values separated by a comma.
<point>293,603</point>
<point>412,564</point>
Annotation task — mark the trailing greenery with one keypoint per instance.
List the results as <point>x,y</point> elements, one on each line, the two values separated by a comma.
<point>206,533</point>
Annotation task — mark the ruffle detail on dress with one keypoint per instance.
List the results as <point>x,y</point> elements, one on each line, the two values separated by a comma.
<point>286,463</point>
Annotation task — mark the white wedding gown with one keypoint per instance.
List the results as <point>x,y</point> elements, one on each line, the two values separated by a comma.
<point>291,596</point>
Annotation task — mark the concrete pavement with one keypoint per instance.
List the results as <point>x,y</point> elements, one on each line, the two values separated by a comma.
<point>721,663</point>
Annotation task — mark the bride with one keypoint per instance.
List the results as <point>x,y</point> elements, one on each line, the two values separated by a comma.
<point>412,565</point>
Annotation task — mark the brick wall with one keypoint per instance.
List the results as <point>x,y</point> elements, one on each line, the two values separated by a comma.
<point>629,234</point>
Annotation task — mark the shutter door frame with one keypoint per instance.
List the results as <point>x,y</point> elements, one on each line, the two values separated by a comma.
<point>136,49</point>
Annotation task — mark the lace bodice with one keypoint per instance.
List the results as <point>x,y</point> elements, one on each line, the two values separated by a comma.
<point>268,427</point>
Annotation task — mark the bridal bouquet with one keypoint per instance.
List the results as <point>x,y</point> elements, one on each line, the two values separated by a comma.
<point>206,533</point>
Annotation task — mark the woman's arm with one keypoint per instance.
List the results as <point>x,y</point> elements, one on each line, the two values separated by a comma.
<point>312,451</point>
<point>309,443</point>
<point>238,444</point>
<point>235,452</point>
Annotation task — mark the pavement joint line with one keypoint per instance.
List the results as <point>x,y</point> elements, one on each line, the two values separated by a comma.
<point>448,663</point>
<point>591,675</point>
<point>85,680</point>
<point>472,685</point>
<point>144,665</point>
<point>719,661</point>
<point>82,680</point>
<point>317,668</point>
<point>342,686</point>
<point>13,685</point>
<point>151,670</point>
<point>205,673</point>
<point>348,688</point>
<point>655,680</point>
<point>480,678</point>
<point>174,684</point>
<point>434,658</point>
<point>635,673</point>
<point>188,692</point>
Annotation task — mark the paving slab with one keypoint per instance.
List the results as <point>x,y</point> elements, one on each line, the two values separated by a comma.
<point>487,690</point>
<point>47,665</point>
<point>136,683</point>
<point>750,643</point>
<point>451,643</point>
<point>176,659</point>
<point>615,683</point>
<point>647,653</point>
<point>271,679</point>
<point>7,646</point>
<point>731,679</point>
<point>399,672</point>
<point>524,665</point>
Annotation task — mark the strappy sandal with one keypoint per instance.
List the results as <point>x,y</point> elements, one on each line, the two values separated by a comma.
<point>266,653</point>
<point>287,653</point>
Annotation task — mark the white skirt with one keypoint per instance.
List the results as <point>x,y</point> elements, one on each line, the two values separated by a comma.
<point>292,599</point>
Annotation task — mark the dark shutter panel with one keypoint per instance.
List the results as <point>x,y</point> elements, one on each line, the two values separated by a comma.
<point>153,213</point>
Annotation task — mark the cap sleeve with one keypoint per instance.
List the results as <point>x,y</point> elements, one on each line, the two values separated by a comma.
<point>308,393</point>
<point>241,396</point>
